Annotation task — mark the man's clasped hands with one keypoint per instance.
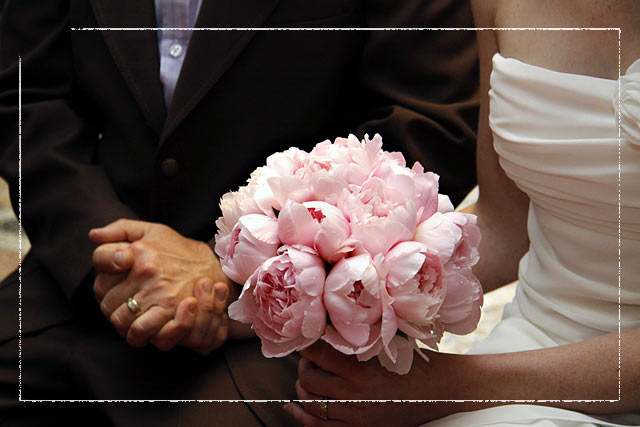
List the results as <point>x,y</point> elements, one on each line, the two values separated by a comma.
<point>156,286</point>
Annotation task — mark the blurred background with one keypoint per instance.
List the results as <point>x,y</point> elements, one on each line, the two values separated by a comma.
<point>9,241</point>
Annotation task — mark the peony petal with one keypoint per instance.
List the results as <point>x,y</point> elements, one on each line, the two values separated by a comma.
<point>261,227</point>
<point>403,262</point>
<point>236,312</point>
<point>461,309</point>
<point>440,234</point>
<point>336,340</point>
<point>356,334</point>
<point>421,333</point>
<point>404,356</point>
<point>444,203</point>
<point>315,320</point>
<point>346,272</point>
<point>296,225</point>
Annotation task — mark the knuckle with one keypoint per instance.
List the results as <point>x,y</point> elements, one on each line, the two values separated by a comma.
<point>105,307</point>
<point>118,323</point>
<point>208,306</point>
<point>138,246</point>
<point>97,254</point>
<point>199,338</point>
<point>137,331</point>
<point>183,324</point>
<point>147,268</point>
<point>301,368</point>
<point>97,289</point>
<point>305,382</point>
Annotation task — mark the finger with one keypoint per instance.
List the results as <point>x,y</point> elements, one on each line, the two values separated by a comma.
<point>298,413</point>
<point>113,257</point>
<point>210,330</point>
<point>310,401</point>
<point>127,230</point>
<point>119,293</point>
<point>221,291</point>
<point>335,411</point>
<point>148,324</point>
<point>329,359</point>
<point>320,382</point>
<point>116,297</point>
<point>206,317</point>
<point>121,318</point>
<point>104,282</point>
<point>219,339</point>
<point>176,329</point>
<point>219,326</point>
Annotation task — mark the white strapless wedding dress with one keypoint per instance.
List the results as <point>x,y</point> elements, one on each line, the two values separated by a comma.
<point>557,138</point>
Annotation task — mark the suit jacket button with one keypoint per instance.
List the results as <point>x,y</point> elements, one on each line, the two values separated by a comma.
<point>170,167</point>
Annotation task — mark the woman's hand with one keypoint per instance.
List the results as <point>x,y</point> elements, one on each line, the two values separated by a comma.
<point>325,374</point>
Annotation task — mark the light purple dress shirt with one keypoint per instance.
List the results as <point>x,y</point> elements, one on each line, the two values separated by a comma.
<point>173,44</point>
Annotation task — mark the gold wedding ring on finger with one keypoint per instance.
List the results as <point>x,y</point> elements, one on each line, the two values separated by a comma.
<point>133,305</point>
<point>324,409</point>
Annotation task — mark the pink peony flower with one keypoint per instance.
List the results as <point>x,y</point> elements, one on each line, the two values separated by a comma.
<point>455,238</point>
<point>452,235</point>
<point>347,158</point>
<point>283,301</point>
<point>281,180</point>
<point>318,225</point>
<point>358,306</point>
<point>460,311</point>
<point>415,281</point>
<point>253,240</point>
<point>398,257</point>
<point>235,204</point>
<point>466,253</point>
<point>376,234</point>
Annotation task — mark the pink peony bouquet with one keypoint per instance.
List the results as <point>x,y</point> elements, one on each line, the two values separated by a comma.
<point>348,245</point>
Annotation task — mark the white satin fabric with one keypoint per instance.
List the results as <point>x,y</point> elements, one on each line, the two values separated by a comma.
<point>557,136</point>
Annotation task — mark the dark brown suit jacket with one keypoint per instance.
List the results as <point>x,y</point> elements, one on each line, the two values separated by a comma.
<point>98,143</point>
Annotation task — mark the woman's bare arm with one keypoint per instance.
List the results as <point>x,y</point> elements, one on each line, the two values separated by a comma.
<point>501,208</point>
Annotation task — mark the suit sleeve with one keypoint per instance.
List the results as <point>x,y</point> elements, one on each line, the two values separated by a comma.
<point>424,85</point>
<point>63,192</point>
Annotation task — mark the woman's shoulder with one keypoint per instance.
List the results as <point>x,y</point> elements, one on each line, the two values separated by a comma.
<point>551,34</point>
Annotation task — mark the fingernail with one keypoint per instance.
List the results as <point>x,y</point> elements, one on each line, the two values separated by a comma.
<point>208,288</point>
<point>221,294</point>
<point>120,259</point>
<point>192,308</point>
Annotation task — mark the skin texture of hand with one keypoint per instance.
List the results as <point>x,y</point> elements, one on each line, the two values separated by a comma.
<point>177,282</point>
<point>325,374</point>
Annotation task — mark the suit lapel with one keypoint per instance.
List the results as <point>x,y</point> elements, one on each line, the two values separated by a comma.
<point>135,52</point>
<point>210,53</point>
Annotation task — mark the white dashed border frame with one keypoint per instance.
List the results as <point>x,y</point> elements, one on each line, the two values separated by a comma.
<point>619,30</point>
